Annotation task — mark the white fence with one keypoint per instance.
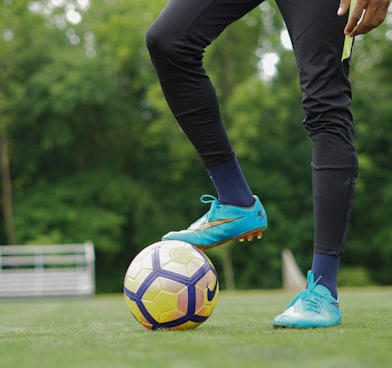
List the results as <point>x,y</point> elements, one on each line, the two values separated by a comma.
<point>47,270</point>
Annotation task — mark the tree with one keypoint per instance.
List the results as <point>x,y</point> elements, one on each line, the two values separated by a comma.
<point>370,237</point>
<point>94,152</point>
<point>22,52</point>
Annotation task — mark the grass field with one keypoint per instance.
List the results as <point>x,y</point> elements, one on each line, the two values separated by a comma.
<point>99,333</point>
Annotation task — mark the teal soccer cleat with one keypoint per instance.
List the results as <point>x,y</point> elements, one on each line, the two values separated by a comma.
<point>313,307</point>
<point>223,223</point>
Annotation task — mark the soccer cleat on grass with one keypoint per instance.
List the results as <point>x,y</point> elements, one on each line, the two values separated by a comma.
<point>223,223</point>
<point>313,307</point>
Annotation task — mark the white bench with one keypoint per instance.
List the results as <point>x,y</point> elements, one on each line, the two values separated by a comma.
<point>47,270</point>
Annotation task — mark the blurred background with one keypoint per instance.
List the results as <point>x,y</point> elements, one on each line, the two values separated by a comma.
<point>90,151</point>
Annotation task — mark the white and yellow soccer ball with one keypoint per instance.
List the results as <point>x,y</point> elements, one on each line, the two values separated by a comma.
<point>171,285</point>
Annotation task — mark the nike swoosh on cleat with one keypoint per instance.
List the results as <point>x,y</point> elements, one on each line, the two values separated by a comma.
<point>211,293</point>
<point>211,224</point>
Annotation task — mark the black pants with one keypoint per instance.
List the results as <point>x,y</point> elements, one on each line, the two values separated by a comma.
<point>176,42</point>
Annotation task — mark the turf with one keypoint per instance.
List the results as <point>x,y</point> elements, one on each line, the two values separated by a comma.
<point>99,333</point>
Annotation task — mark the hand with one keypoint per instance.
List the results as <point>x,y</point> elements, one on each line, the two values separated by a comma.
<point>366,15</point>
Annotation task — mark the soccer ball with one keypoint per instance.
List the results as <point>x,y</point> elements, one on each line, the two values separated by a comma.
<point>171,285</point>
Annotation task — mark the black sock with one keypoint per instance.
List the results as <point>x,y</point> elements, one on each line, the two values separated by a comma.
<point>230,184</point>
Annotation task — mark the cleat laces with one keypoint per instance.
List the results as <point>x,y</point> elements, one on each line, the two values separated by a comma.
<point>208,198</point>
<point>312,302</point>
<point>310,299</point>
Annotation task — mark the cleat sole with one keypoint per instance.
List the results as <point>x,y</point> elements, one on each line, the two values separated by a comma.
<point>248,236</point>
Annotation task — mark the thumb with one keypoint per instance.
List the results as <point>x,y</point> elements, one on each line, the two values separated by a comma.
<point>343,7</point>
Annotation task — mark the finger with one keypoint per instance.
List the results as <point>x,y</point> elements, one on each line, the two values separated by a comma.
<point>343,7</point>
<point>367,23</point>
<point>355,17</point>
<point>372,18</point>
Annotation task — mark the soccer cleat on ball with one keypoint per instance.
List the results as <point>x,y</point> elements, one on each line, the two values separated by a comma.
<point>223,223</point>
<point>171,285</point>
<point>313,307</point>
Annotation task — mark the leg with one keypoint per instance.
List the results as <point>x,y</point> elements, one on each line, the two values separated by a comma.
<point>176,42</point>
<point>317,36</point>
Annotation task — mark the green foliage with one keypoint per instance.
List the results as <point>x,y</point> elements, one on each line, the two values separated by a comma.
<point>370,242</point>
<point>96,154</point>
<point>354,276</point>
<point>75,209</point>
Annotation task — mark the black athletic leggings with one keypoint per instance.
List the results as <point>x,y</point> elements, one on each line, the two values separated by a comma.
<point>176,42</point>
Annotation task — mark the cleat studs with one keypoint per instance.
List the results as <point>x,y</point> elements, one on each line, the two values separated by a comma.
<point>250,236</point>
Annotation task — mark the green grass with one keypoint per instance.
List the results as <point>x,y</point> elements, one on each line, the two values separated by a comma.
<point>99,333</point>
